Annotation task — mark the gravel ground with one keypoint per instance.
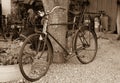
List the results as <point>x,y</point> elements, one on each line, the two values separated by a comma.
<point>104,69</point>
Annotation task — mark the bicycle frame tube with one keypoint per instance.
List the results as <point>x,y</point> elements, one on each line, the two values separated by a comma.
<point>45,25</point>
<point>45,31</point>
<point>45,28</point>
<point>58,43</point>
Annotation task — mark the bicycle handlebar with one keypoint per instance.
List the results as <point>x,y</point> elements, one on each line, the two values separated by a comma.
<point>99,12</point>
<point>56,7</point>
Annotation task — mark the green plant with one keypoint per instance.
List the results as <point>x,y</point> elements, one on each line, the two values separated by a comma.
<point>9,54</point>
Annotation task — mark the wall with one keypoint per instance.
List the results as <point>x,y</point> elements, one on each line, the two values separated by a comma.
<point>6,7</point>
<point>109,6</point>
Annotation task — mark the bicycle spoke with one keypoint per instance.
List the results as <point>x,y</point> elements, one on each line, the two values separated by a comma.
<point>85,46</point>
<point>37,53</point>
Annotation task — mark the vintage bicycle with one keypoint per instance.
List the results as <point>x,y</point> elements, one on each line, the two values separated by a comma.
<point>37,50</point>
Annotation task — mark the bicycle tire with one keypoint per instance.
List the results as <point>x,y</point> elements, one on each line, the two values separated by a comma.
<point>82,38</point>
<point>26,59</point>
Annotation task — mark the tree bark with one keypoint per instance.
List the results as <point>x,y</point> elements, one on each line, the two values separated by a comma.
<point>58,31</point>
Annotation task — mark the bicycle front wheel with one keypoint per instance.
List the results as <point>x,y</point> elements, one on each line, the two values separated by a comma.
<point>36,54</point>
<point>85,45</point>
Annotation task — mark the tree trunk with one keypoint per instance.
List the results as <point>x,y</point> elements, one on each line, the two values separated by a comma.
<point>58,31</point>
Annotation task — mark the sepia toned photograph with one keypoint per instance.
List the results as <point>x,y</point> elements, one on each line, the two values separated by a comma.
<point>59,41</point>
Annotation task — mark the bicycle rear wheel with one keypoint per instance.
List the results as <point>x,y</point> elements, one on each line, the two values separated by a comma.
<point>85,45</point>
<point>36,53</point>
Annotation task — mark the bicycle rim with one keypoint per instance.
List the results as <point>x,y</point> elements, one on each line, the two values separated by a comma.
<point>36,54</point>
<point>85,45</point>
